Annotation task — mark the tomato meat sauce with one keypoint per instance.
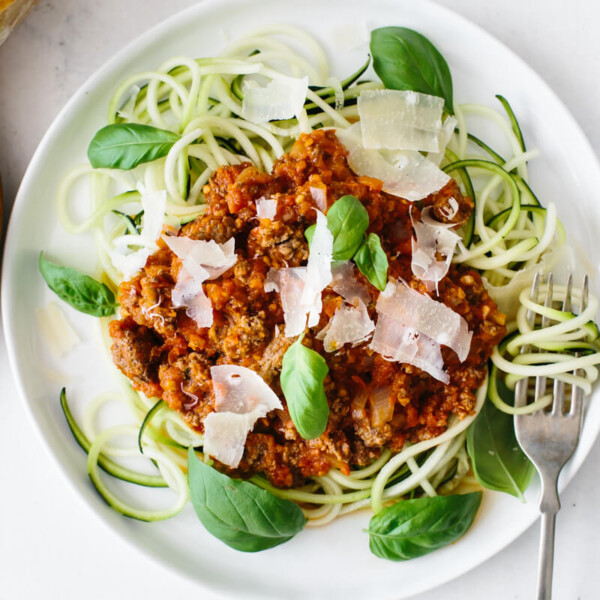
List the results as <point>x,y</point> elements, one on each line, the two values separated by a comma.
<point>374,403</point>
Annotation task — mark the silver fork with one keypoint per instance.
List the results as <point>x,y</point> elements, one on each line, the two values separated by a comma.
<point>549,438</point>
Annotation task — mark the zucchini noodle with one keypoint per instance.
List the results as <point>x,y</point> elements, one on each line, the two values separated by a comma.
<point>509,238</point>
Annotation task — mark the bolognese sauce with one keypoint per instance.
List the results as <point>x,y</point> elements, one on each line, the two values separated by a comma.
<point>166,354</point>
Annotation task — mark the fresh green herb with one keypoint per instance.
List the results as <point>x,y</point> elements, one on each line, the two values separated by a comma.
<point>412,528</point>
<point>126,145</point>
<point>407,60</point>
<point>497,459</point>
<point>237,512</point>
<point>80,291</point>
<point>302,374</point>
<point>347,219</point>
<point>372,261</point>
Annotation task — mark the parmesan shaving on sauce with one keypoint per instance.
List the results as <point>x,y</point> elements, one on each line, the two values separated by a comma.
<point>266,208</point>
<point>407,173</point>
<point>399,343</point>
<point>129,262</point>
<point>201,261</point>
<point>300,287</point>
<point>281,98</point>
<point>427,316</point>
<point>350,324</point>
<point>400,120</point>
<point>241,398</point>
<point>432,238</point>
<point>344,282</point>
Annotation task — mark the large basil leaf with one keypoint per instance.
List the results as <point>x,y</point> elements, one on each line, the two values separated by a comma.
<point>80,291</point>
<point>126,145</point>
<point>372,261</point>
<point>237,512</point>
<point>497,459</point>
<point>302,374</point>
<point>412,528</point>
<point>407,60</point>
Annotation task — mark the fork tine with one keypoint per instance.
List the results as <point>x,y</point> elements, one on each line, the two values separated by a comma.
<point>577,393</point>
<point>558,401</point>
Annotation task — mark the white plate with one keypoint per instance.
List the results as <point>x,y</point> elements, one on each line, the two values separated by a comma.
<point>333,562</point>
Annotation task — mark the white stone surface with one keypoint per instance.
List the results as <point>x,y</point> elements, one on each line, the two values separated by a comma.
<point>51,544</point>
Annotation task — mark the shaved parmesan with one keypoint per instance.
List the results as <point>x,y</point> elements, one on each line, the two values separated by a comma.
<point>215,258</point>
<point>266,209</point>
<point>427,316</point>
<point>400,120</point>
<point>201,261</point>
<point>225,436</point>
<point>319,196</point>
<point>300,287</point>
<point>344,282</point>
<point>407,174</point>
<point>241,398</point>
<point>281,98</point>
<point>399,343</point>
<point>128,262</point>
<point>55,330</point>
<point>432,238</point>
<point>448,127</point>
<point>241,390</point>
<point>290,284</point>
<point>350,324</point>
<point>318,269</point>
<point>189,293</point>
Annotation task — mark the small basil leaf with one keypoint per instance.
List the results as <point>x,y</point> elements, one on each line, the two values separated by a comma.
<point>309,234</point>
<point>406,60</point>
<point>80,291</point>
<point>497,459</point>
<point>237,512</point>
<point>126,145</point>
<point>412,528</point>
<point>302,374</point>
<point>347,219</point>
<point>372,261</point>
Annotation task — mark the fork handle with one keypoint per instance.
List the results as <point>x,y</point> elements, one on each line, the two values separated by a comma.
<point>549,506</point>
<point>546,558</point>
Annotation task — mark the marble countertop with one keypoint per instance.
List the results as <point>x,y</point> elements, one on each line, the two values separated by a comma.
<point>51,544</point>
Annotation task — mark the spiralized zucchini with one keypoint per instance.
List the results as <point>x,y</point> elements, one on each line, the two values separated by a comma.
<point>201,100</point>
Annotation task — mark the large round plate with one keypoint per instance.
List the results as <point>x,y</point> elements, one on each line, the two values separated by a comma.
<point>333,562</point>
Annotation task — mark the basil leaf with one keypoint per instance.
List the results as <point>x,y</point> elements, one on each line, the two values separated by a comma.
<point>239,513</point>
<point>372,261</point>
<point>80,291</point>
<point>412,528</point>
<point>302,374</point>
<point>406,60</point>
<point>347,219</point>
<point>497,459</point>
<point>126,145</point>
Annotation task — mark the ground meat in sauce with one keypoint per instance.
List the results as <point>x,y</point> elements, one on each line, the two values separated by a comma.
<point>165,354</point>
